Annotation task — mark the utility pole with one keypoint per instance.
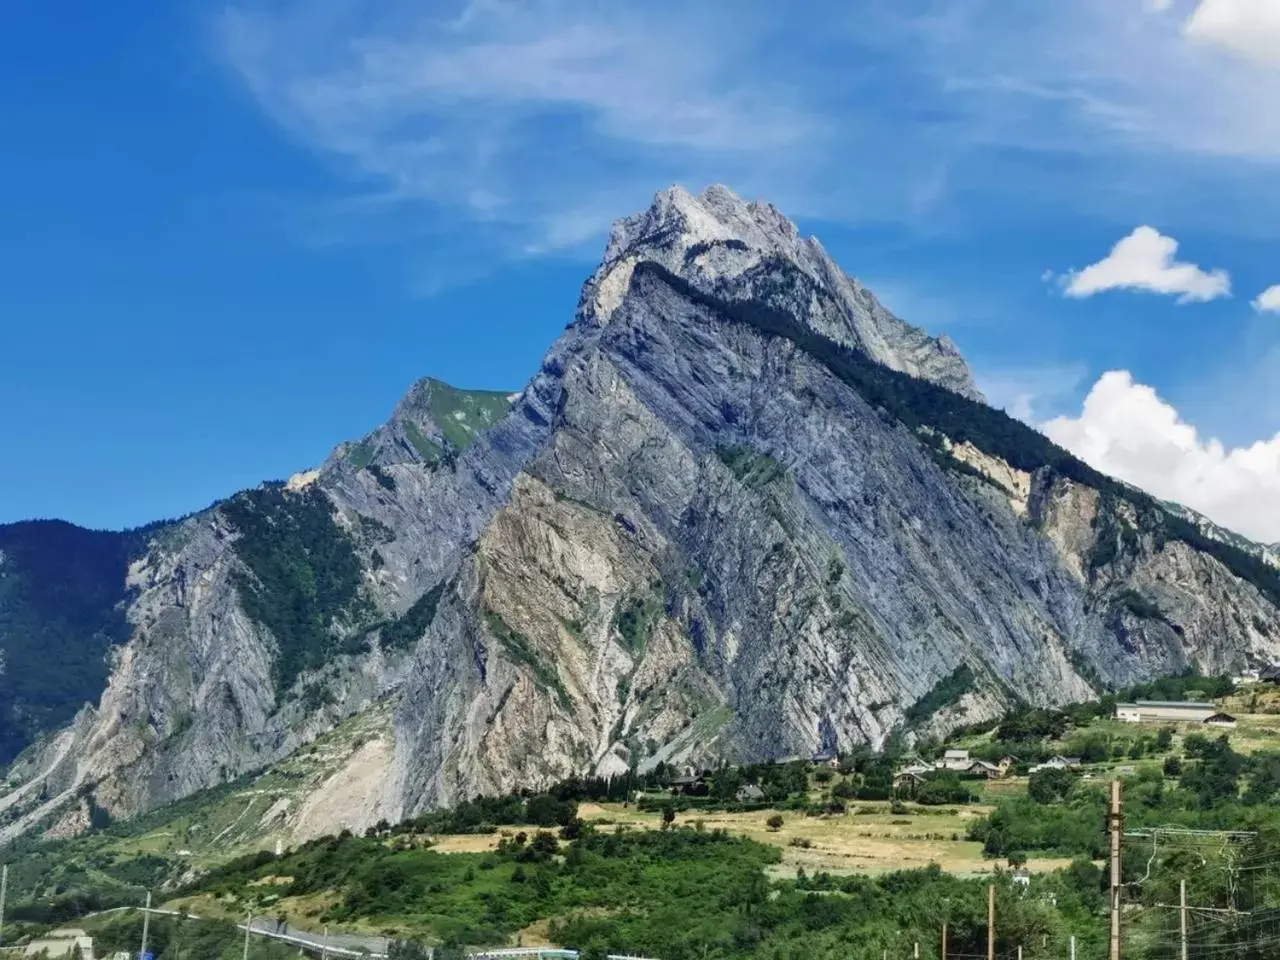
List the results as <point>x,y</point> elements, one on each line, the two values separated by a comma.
<point>146,927</point>
<point>4,890</point>
<point>1116,824</point>
<point>915,952</point>
<point>1073,947</point>
<point>991,921</point>
<point>1182,915</point>
<point>943,955</point>
<point>248,925</point>
<point>324,946</point>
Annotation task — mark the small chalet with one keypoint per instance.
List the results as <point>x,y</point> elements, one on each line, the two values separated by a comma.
<point>749,793</point>
<point>825,758</point>
<point>981,768</point>
<point>1220,720</point>
<point>957,760</point>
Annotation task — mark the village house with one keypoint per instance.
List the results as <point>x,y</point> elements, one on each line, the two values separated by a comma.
<point>825,758</point>
<point>749,793</point>
<point>957,760</point>
<point>906,783</point>
<point>981,768</point>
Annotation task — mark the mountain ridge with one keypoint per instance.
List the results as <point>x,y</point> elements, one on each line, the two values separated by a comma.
<point>740,511</point>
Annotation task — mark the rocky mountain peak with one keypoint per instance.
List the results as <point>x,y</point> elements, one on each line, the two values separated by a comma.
<point>720,243</point>
<point>433,422</point>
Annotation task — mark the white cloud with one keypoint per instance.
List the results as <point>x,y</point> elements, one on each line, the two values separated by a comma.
<point>1268,300</point>
<point>1144,260</point>
<point>534,123</point>
<point>1250,28</point>
<point>552,117</point>
<point>1125,429</point>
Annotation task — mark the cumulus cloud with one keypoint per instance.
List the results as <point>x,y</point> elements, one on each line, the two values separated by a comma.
<point>1268,300</point>
<point>1144,260</point>
<point>1250,28</point>
<point>1126,430</point>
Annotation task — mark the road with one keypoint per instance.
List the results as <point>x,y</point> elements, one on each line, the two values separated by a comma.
<point>342,944</point>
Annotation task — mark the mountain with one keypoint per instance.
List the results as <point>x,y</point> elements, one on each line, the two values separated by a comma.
<point>62,597</point>
<point>1267,553</point>
<point>741,511</point>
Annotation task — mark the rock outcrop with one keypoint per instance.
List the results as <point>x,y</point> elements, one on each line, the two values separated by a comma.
<point>741,511</point>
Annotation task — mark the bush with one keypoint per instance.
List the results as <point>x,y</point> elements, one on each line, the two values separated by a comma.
<point>1050,786</point>
<point>775,822</point>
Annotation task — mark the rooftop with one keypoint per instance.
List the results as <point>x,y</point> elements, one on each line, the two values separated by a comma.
<point>1175,704</point>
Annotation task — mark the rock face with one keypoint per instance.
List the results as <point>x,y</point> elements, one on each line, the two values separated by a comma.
<point>742,511</point>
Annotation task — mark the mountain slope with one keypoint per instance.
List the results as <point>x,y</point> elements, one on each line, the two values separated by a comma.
<point>62,597</point>
<point>741,511</point>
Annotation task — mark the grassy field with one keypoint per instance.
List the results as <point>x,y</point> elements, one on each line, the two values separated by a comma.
<point>259,812</point>
<point>870,838</point>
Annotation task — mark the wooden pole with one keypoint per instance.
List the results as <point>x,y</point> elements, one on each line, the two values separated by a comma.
<point>1116,823</point>
<point>248,926</point>
<point>944,940</point>
<point>991,921</point>
<point>1073,947</point>
<point>146,927</point>
<point>1182,918</point>
<point>4,890</point>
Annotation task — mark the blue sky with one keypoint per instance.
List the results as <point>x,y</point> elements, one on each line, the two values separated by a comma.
<point>236,232</point>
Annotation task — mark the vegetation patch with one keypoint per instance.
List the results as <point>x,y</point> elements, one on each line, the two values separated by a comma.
<point>944,693</point>
<point>305,575</point>
<point>403,632</point>
<point>754,468</point>
<point>519,650</point>
<point>462,415</point>
<point>635,620</point>
<point>430,451</point>
<point>62,590</point>
<point>360,455</point>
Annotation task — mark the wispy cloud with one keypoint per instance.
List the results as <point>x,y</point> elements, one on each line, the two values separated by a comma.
<point>536,115</point>
<point>1032,393</point>
<point>536,122</point>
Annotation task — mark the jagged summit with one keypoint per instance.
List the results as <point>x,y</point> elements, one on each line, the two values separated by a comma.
<point>721,243</point>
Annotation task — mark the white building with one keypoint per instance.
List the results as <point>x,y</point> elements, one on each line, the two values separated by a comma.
<point>63,942</point>
<point>1165,711</point>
